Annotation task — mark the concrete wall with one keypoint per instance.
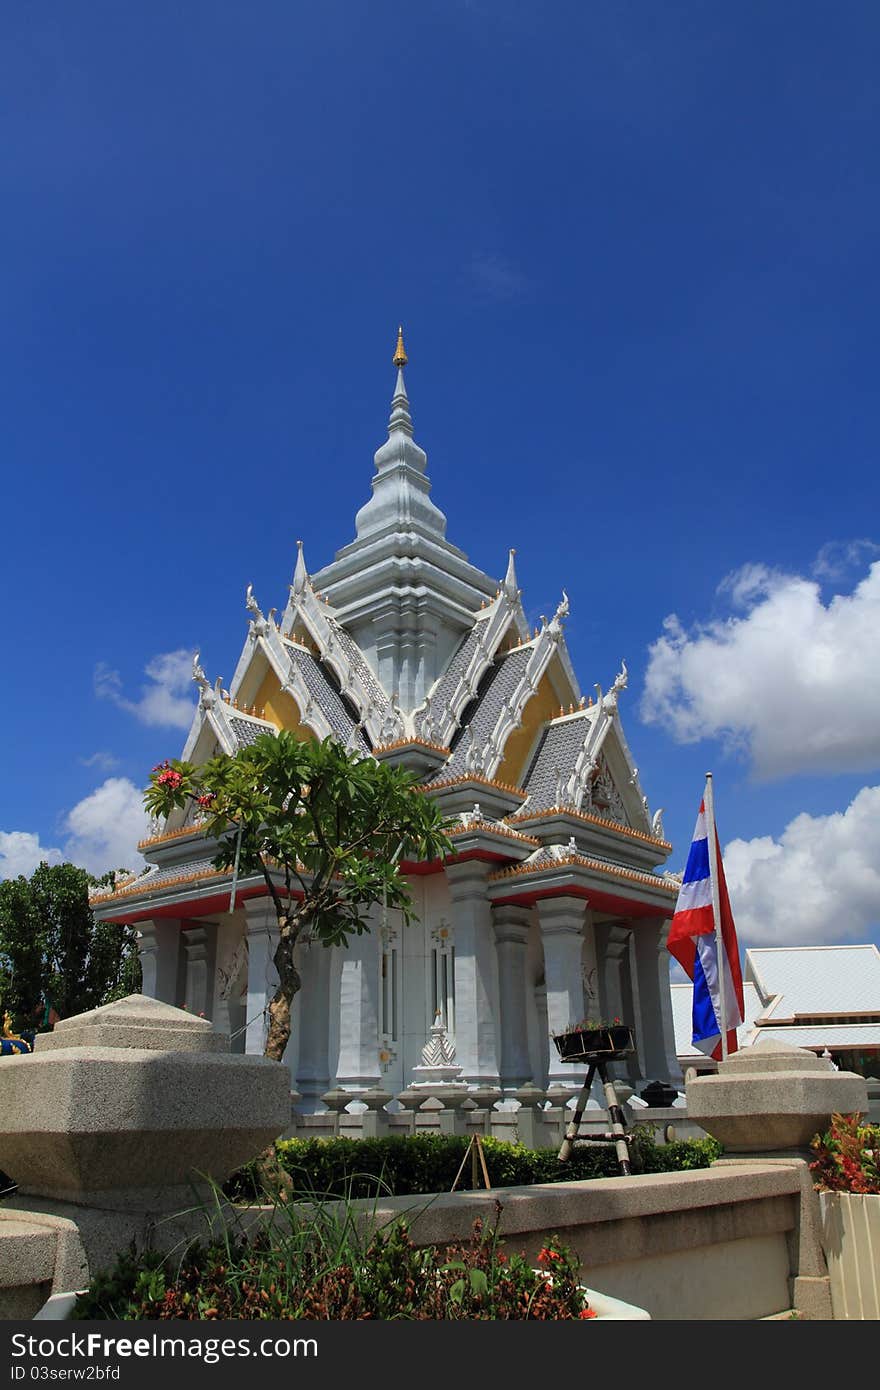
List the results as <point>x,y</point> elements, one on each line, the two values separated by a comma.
<point>724,1243</point>
<point>720,1243</point>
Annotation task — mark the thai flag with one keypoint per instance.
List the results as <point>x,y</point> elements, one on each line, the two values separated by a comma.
<point>694,937</point>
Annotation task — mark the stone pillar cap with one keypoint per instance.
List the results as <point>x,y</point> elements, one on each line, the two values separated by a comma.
<point>773,1098</point>
<point>136,1021</point>
<point>773,1056</point>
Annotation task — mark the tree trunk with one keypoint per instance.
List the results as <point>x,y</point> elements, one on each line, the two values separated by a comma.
<point>289,982</point>
<point>274,1179</point>
<point>278,1035</point>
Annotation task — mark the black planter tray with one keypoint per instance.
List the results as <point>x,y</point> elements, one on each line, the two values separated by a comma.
<point>596,1044</point>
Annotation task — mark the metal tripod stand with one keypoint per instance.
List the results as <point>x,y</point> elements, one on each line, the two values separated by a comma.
<point>618,1136</point>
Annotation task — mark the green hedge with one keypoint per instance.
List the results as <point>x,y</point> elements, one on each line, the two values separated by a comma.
<point>421,1164</point>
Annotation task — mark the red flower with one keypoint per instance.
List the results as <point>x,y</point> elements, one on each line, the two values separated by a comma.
<point>545,1256</point>
<point>205,801</point>
<point>169,778</point>
<point>587,1313</point>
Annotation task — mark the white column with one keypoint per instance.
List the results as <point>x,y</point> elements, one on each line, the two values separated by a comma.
<point>158,948</point>
<point>540,1043</point>
<point>657,1030</point>
<point>262,938</point>
<point>313,1068</point>
<point>475,973</point>
<point>199,943</point>
<point>562,923</point>
<point>615,988</point>
<point>590,970</point>
<point>358,1066</point>
<point>427,672</point>
<point>388,650</point>
<point>511,923</point>
<point>409,655</point>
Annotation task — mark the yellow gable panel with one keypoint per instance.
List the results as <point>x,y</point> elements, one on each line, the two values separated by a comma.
<point>543,705</point>
<point>279,707</point>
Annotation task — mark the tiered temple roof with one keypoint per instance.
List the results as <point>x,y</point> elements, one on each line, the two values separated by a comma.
<point>401,649</point>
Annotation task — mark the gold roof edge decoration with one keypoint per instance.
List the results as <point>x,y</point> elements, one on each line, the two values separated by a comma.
<point>475,777</point>
<point>194,829</point>
<point>142,884</point>
<point>493,828</point>
<point>413,742</point>
<point>584,861</point>
<point>400,358</point>
<point>548,812</point>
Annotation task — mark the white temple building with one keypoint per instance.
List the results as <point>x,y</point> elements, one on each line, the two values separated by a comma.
<point>555,904</point>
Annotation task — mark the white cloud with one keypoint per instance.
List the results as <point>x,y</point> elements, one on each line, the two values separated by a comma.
<point>105,827</point>
<point>837,559</point>
<point>789,680</point>
<point>165,700</point>
<point>817,884</point>
<point>21,853</point>
<point>100,833</point>
<point>105,762</point>
<point>749,583</point>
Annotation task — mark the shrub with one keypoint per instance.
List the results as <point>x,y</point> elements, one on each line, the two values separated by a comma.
<point>421,1164</point>
<point>319,1267</point>
<point>847,1156</point>
<point>681,1156</point>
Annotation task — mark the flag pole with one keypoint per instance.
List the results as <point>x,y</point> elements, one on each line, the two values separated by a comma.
<point>709,800</point>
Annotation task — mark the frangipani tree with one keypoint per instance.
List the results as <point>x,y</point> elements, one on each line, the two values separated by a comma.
<point>327,830</point>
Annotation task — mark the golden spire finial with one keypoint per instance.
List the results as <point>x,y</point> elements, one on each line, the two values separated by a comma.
<point>400,358</point>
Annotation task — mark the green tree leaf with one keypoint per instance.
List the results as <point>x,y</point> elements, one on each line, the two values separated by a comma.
<point>54,957</point>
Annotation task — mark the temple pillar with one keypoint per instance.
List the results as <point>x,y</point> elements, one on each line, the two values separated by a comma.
<point>562,935</point>
<point>475,980</point>
<point>615,988</point>
<point>313,1068</point>
<point>511,924</point>
<point>262,939</point>
<point>541,1045</point>
<point>657,1031</point>
<point>358,1066</point>
<point>387,651</point>
<point>408,655</point>
<point>158,950</point>
<point>199,944</point>
<point>427,670</point>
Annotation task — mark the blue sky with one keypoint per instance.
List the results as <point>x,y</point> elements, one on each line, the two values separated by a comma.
<point>634,250</point>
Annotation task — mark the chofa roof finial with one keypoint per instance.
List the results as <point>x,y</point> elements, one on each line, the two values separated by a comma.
<point>400,358</point>
<point>300,573</point>
<point>509,585</point>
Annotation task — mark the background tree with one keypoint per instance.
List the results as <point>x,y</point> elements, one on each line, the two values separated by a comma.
<point>53,955</point>
<point>327,830</point>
